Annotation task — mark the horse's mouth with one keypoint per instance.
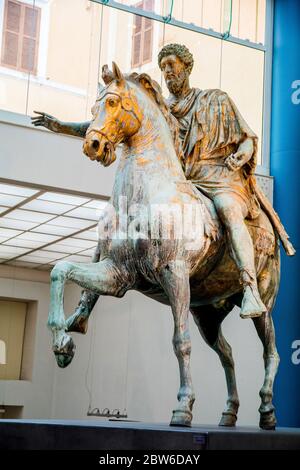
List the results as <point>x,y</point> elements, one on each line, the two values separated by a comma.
<point>101,150</point>
<point>108,155</point>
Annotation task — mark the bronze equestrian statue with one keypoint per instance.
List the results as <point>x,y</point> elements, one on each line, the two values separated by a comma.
<point>196,139</point>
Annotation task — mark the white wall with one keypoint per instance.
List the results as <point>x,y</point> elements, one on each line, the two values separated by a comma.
<point>37,156</point>
<point>131,364</point>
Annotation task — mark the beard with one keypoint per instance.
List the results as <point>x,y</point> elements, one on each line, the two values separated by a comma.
<point>175,85</point>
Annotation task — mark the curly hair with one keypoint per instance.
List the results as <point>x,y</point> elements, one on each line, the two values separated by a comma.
<point>180,51</point>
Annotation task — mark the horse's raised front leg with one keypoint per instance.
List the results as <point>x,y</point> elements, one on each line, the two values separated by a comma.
<point>102,278</point>
<point>175,281</point>
<point>78,322</point>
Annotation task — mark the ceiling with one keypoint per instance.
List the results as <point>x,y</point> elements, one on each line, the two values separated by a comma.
<point>39,227</point>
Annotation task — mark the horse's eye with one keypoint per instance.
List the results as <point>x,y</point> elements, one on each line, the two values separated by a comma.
<point>112,102</point>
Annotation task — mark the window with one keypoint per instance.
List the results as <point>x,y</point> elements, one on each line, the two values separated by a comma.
<point>142,36</point>
<point>20,36</point>
<point>2,352</point>
<point>12,326</point>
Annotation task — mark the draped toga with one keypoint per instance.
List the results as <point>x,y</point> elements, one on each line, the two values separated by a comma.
<point>210,129</point>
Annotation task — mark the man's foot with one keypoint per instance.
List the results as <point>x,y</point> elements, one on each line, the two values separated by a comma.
<point>252,306</point>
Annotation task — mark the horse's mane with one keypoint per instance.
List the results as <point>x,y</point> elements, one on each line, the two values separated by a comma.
<point>154,90</point>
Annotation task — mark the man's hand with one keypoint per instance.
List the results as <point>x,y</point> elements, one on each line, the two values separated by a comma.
<point>236,160</point>
<point>46,120</point>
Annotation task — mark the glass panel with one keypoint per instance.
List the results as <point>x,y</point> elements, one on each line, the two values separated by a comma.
<point>248,16</point>
<point>11,251</point>
<point>9,200</point>
<point>30,216</point>
<point>96,204</point>
<point>23,243</point>
<point>46,206</point>
<point>64,198</point>
<point>16,224</point>
<point>245,85</point>
<point>78,259</point>
<point>70,222</point>
<point>147,5</point>
<point>7,233</point>
<point>48,255</point>
<point>38,237</point>
<point>88,235</point>
<point>54,230</point>
<point>17,190</point>
<point>88,253</point>
<point>68,60</point>
<point>84,213</point>
<point>33,258</point>
<point>59,248</point>
<point>207,56</point>
<point>77,243</point>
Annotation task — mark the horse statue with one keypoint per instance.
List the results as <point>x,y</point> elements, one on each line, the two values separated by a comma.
<point>200,278</point>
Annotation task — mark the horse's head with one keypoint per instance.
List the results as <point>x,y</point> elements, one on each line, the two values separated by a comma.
<point>116,116</point>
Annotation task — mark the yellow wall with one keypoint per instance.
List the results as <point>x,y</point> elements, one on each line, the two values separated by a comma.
<point>12,324</point>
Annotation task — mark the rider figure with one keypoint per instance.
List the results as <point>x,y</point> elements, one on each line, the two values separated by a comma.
<point>220,157</point>
<point>220,151</point>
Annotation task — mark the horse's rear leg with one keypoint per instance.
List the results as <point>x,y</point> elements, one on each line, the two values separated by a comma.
<point>208,319</point>
<point>268,283</point>
<point>103,278</point>
<point>175,282</point>
<point>265,329</point>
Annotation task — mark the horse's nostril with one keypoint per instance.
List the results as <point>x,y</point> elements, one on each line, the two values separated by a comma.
<point>95,144</point>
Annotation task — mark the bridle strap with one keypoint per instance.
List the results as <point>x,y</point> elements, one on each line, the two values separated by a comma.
<point>122,105</point>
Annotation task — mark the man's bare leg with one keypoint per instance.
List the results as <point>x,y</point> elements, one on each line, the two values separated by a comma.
<point>232,214</point>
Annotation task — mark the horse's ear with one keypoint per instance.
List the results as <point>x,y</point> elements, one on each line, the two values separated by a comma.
<point>100,88</point>
<point>117,74</point>
<point>107,75</point>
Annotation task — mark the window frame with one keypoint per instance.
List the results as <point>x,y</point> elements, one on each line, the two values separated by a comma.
<point>42,39</point>
<point>21,36</point>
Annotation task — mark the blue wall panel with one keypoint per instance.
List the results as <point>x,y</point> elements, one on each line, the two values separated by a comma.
<point>285,167</point>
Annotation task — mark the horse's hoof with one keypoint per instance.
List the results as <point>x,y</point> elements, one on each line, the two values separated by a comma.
<point>268,421</point>
<point>228,419</point>
<point>63,360</point>
<point>181,418</point>
<point>65,354</point>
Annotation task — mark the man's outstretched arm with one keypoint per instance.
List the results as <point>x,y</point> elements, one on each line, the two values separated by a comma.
<point>77,129</point>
